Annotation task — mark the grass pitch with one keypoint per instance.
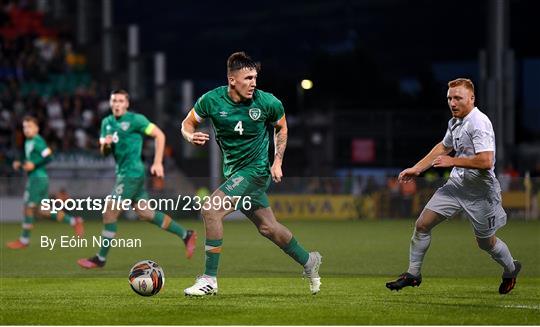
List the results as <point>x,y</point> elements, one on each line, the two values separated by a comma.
<point>262,286</point>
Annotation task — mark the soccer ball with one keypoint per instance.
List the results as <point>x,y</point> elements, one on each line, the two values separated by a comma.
<point>146,278</point>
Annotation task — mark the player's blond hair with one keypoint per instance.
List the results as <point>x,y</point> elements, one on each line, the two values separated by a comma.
<point>465,82</point>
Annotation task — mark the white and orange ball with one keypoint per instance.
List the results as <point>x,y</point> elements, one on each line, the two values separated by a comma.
<point>146,278</point>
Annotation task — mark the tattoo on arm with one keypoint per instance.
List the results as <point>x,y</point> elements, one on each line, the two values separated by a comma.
<point>280,140</point>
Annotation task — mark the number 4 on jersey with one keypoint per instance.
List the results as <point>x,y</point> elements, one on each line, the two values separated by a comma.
<point>238,128</point>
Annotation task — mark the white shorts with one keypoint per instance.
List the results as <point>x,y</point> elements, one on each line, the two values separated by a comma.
<point>486,214</point>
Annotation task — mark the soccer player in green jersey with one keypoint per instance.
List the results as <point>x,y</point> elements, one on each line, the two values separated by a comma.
<point>36,156</point>
<point>122,135</point>
<point>240,115</point>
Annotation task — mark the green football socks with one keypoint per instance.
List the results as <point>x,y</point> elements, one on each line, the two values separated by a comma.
<point>165,222</point>
<point>213,250</point>
<point>296,251</point>
<point>108,233</point>
<point>27,226</point>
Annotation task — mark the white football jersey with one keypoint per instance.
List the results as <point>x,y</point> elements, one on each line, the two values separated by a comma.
<point>468,136</point>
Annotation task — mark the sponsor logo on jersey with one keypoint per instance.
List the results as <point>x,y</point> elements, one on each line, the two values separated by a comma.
<point>235,182</point>
<point>222,114</point>
<point>124,125</point>
<point>254,113</point>
<point>108,127</point>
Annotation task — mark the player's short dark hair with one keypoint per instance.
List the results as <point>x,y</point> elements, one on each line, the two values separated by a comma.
<point>31,119</point>
<point>240,60</point>
<point>121,91</point>
<point>465,82</point>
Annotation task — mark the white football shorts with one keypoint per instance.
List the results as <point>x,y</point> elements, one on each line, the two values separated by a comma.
<point>485,213</point>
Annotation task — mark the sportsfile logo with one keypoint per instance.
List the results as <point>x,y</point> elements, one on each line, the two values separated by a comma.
<point>182,202</point>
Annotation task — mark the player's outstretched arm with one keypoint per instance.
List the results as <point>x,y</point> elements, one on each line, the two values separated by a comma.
<point>189,127</point>
<point>280,143</point>
<point>425,163</point>
<point>159,139</point>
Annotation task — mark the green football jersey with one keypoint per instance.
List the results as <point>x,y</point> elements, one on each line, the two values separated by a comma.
<point>241,128</point>
<point>37,151</point>
<point>127,133</point>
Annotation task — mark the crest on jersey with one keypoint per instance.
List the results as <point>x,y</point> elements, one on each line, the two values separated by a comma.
<point>124,125</point>
<point>254,113</point>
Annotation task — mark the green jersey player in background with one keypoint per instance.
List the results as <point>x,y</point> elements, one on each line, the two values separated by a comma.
<point>36,156</point>
<point>122,135</point>
<point>240,115</point>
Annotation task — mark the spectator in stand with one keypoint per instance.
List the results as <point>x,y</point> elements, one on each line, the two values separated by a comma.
<point>55,117</point>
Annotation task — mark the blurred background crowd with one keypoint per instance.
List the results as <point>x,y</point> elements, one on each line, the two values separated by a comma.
<point>376,104</point>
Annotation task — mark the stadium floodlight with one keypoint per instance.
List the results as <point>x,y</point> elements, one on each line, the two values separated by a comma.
<point>306,84</point>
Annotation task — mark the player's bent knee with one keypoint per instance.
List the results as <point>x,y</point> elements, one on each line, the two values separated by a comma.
<point>144,216</point>
<point>206,214</point>
<point>267,230</point>
<point>29,211</point>
<point>109,219</point>
<point>210,214</point>
<point>485,244</point>
<point>427,220</point>
<point>422,227</point>
<point>42,213</point>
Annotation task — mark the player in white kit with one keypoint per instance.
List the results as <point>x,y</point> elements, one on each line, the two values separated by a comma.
<point>472,188</point>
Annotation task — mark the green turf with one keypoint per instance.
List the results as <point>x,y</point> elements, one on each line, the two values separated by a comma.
<point>260,285</point>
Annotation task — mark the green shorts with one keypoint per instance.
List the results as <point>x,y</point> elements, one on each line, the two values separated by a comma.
<point>250,186</point>
<point>131,188</point>
<point>37,189</point>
